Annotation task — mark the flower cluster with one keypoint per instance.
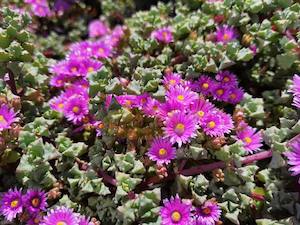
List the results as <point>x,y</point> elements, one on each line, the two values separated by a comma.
<point>71,75</point>
<point>182,113</point>
<point>39,8</point>
<point>177,212</point>
<point>31,204</point>
<point>296,90</point>
<point>223,88</point>
<point>7,117</point>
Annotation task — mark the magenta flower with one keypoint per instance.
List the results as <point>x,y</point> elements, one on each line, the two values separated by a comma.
<point>217,123</point>
<point>35,219</point>
<point>101,50</point>
<point>161,151</point>
<point>81,49</point>
<point>295,89</point>
<point>60,216</point>
<point>181,95</point>
<point>180,128</point>
<point>91,65</point>
<point>250,137</point>
<point>151,108</point>
<point>41,10</point>
<point>11,204</point>
<point>294,156</point>
<point>84,221</point>
<point>76,108</point>
<point>116,35</point>
<point>225,34</point>
<point>98,125</point>
<point>208,214</point>
<point>221,92</point>
<point>172,80</point>
<point>35,200</point>
<point>57,104</point>
<point>142,99</point>
<point>201,107</point>
<point>204,85</point>
<point>163,35</point>
<point>175,212</point>
<point>59,80</point>
<point>128,101</point>
<point>7,117</point>
<point>227,78</point>
<point>168,108</point>
<point>236,95</point>
<point>97,29</point>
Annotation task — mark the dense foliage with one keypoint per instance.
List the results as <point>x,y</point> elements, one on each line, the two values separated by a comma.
<point>184,113</point>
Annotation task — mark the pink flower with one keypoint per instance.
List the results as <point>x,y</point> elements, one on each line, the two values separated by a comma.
<point>182,95</point>
<point>201,108</point>
<point>225,34</point>
<point>204,85</point>
<point>175,212</point>
<point>251,138</point>
<point>217,123</point>
<point>161,151</point>
<point>97,29</point>
<point>7,117</point>
<point>163,35</point>
<point>76,108</point>
<point>180,128</point>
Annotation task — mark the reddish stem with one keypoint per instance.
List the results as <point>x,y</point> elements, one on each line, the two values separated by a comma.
<point>216,165</point>
<point>106,178</point>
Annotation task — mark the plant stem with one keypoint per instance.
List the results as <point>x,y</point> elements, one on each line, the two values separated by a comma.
<point>106,178</point>
<point>209,167</point>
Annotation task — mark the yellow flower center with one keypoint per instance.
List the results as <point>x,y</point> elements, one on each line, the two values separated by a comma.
<point>155,107</point>
<point>248,140</point>
<point>226,37</point>
<point>226,79</point>
<point>36,220</point>
<point>172,81</point>
<point>74,69</point>
<point>180,128</point>
<point>165,35</point>
<point>180,97</point>
<point>220,91</point>
<point>75,109</point>
<point>35,202</point>
<point>14,203</point>
<point>176,216</point>
<point>128,102</point>
<point>90,69</point>
<point>2,119</point>
<point>205,85</point>
<point>101,50</point>
<point>233,96</point>
<point>60,105</point>
<point>162,152</point>
<point>211,124</point>
<point>61,223</point>
<point>200,113</point>
<point>206,211</point>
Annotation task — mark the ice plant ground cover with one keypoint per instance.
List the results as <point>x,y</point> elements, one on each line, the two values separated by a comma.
<point>132,112</point>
